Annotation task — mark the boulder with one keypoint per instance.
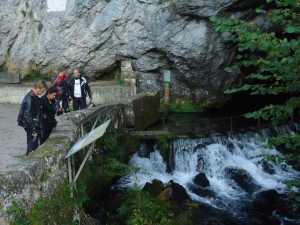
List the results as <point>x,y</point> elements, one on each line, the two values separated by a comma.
<point>154,188</point>
<point>242,179</point>
<point>179,194</point>
<point>201,180</point>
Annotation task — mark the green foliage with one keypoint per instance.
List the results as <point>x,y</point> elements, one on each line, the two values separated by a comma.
<point>18,213</point>
<point>289,142</point>
<point>162,1</point>
<point>2,68</point>
<point>23,13</point>
<point>115,75</point>
<point>140,208</point>
<point>296,205</point>
<point>30,13</point>
<point>270,62</point>
<point>119,81</point>
<point>108,143</point>
<point>59,209</point>
<point>44,176</point>
<point>82,70</point>
<point>181,106</point>
<point>117,78</point>
<point>106,164</point>
<point>34,75</point>
<point>163,144</point>
<point>40,26</point>
<point>114,168</point>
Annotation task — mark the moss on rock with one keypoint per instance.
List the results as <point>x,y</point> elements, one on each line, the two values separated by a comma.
<point>48,148</point>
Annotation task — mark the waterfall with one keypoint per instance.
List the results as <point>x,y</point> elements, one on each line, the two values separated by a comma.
<point>224,160</point>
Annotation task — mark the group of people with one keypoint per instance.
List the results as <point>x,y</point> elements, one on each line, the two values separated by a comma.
<point>41,105</point>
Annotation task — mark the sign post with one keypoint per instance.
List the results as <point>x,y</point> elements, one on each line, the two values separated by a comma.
<point>88,139</point>
<point>167,79</point>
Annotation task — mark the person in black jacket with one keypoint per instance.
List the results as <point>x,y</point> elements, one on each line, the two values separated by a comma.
<point>30,115</point>
<point>79,89</point>
<point>49,110</point>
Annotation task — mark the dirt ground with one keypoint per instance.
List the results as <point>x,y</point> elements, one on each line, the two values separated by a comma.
<point>12,139</point>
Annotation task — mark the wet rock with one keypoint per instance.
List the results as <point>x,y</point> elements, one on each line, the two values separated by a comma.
<point>154,188</point>
<point>200,191</point>
<point>179,194</point>
<point>201,180</point>
<point>266,200</point>
<point>165,195</point>
<point>268,168</point>
<point>230,147</point>
<point>242,179</point>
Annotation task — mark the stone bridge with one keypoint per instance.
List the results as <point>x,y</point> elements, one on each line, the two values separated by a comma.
<point>20,175</point>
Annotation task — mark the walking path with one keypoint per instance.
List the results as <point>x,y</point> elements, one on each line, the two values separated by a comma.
<point>12,139</point>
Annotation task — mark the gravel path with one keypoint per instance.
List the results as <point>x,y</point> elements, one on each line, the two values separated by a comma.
<point>12,139</point>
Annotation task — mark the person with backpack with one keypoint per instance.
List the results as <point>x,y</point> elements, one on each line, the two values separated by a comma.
<point>61,85</point>
<point>30,115</point>
<point>79,89</point>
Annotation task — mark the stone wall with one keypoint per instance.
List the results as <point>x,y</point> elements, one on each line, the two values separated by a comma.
<point>25,183</point>
<point>103,92</point>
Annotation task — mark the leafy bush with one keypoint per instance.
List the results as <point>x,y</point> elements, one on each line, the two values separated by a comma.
<point>270,60</point>
<point>59,209</point>
<point>34,76</point>
<point>140,208</point>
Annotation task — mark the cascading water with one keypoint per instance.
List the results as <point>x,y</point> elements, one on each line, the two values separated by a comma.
<point>232,165</point>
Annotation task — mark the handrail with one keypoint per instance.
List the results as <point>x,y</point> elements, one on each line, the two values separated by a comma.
<point>101,110</point>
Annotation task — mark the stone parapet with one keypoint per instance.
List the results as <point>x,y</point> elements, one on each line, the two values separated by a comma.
<point>9,78</point>
<point>103,93</point>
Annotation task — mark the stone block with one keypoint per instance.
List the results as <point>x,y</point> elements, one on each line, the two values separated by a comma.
<point>141,110</point>
<point>9,78</point>
<point>126,70</point>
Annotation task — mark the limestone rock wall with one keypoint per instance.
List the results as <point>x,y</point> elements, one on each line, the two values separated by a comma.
<point>99,34</point>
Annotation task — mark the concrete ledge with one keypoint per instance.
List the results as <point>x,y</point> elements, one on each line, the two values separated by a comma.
<point>152,135</point>
<point>9,78</point>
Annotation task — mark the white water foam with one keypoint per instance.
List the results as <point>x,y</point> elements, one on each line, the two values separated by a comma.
<point>192,157</point>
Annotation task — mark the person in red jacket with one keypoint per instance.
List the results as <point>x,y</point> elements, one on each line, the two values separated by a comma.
<point>61,84</point>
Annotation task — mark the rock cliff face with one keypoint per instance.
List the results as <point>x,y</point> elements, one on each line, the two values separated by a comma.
<point>99,34</point>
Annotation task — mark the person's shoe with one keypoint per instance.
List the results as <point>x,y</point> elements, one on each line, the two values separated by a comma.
<point>91,105</point>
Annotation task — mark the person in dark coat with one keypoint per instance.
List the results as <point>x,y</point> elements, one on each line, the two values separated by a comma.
<point>50,108</point>
<point>30,115</point>
<point>79,89</point>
